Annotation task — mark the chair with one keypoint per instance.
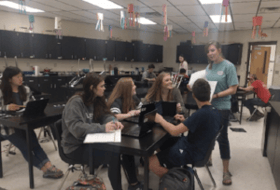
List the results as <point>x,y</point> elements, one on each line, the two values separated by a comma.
<point>71,162</point>
<point>203,163</point>
<point>190,103</point>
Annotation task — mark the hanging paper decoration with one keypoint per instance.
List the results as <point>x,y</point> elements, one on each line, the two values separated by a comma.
<point>31,21</point>
<point>58,27</point>
<point>22,6</point>
<point>111,31</point>
<point>137,19</point>
<point>193,37</point>
<point>257,22</point>
<point>165,30</point>
<point>122,19</point>
<point>225,4</point>
<point>263,35</point>
<point>164,10</point>
<point>130,10</point>
<point>205,31</point>
<point>169,27</point>
<point>99,24</point>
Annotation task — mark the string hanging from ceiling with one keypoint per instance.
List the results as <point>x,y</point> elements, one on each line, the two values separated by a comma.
<point>122,20</point>
<point>111,31</point>
<point>165,28</point>
<point>130,10</point>
<point>257,23</point>
<point>205,31</point>
<point>193,37</point>
<point>31,21</point>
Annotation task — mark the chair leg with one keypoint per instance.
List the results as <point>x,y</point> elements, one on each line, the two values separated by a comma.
<point>210,174</point>
<point>252,114</point>
<point>51,136</point>
<point>62,183</point>
<point>197,178</point>
<point>41,130</point>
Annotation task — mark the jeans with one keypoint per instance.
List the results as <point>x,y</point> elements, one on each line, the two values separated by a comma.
<point>113,159</point>
<point>253,102</point>
<point>223,138</point>
<point>19,140</point>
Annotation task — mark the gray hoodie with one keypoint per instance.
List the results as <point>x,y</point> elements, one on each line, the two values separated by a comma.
<point>77,122</point>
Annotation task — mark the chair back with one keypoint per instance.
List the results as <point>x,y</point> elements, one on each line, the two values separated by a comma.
<point>176,80</point>
<point>191,103</point>
<point>58,133</point>
<point>203,162</point>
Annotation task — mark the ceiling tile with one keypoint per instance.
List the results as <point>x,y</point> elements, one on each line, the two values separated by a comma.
<point>181,31</point>
<point>171,11</point>
<point>243,18</point>
<point>200,19</point>
<point>244,8</point>
<point>180,20</point>
<point>184,2</point>
<point>270,4</point>
<point>45,14</point>
<point>192,10</point>
<point>158,20</point>
<point>39,6</point>
<point>243,25</point>
<point>69,15</point>
<point>107,14</point>
<point>241,1</point>
<point>201,25</point>
<point>154,3</point>
<point>277,25</point>
<point>56,4</point>
<point>213,30</point>
<point>191,27</point>
<point>224,26</point>
<point>86,14</point>
<point>79,4</point>
<point>268,24</point>
<point>125,3</point>
<point>270,17</point>
<point>214,9</point>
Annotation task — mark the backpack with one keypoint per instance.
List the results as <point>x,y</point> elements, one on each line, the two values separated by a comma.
<point>88,183</point>
<point>177,179</point>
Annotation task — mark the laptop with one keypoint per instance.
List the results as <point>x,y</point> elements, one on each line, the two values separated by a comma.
<point>34,108</point>
<point>144,109</point>
<point>141,129</point>
<point>168,110</point>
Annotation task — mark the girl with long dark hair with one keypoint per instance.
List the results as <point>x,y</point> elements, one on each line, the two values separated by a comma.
<point>13,95</point>
<point>86,113</point>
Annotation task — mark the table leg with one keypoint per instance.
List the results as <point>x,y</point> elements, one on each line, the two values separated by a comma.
<point>91,170</point>
<point>240,119</point>
<point>146,172</point>
<point>30,159</point>
<point>1,169</point>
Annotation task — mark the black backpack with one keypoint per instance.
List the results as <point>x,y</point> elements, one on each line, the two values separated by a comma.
<point>177,179</point>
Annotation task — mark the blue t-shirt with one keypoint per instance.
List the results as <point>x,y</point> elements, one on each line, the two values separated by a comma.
<point>203,125</point>
<point>225,74</point>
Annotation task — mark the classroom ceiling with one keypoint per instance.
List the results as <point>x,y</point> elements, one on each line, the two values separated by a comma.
<point>184,15</point>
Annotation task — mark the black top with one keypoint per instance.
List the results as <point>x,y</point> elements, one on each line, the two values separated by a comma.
<point>17,98</point>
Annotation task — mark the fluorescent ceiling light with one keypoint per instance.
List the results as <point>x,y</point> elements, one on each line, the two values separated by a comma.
<point>211,1</point>
<point>17,6</point>
<point>217,19</point>
<point>105,4</point>
<point>145,21</point>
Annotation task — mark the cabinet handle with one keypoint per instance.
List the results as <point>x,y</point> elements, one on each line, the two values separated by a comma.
<point>45,79</point>
<point>54,85</point>
<point>38,85</point>
<point>51,85</point>
<point>59,79</point>
<point>31,80</point>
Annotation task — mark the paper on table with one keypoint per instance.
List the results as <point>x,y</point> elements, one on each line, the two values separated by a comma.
<point>197,75</point>
<point>103,137</point>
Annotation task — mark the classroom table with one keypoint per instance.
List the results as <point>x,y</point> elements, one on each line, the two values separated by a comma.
<point>144,147</point>
<point>51,115</point>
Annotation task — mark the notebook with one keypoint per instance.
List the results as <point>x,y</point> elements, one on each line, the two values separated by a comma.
<point>114,136</point>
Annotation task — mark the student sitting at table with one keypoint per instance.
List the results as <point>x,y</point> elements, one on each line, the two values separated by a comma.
<point>263,95</point>
<point>202,126</point>
<point>87,113</point>
<point>15,95</point>
<point>149,75</point>
<point>123,100</point>
<point>162,90</point>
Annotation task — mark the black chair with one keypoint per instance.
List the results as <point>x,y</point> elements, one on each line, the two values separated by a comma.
<point>203,163</point>
<point>190,103</point>
<point>71,162</point>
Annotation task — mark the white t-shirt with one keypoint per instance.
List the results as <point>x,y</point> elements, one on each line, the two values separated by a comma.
<point>184,65</point>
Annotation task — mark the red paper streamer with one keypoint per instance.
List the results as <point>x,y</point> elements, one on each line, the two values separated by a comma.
<point>257,22</point>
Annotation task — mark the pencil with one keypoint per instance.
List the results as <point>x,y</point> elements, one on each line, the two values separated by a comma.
<point>21,106</point>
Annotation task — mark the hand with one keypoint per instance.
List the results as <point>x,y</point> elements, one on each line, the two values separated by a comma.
<point>110,126</point>
<point>13,107</point>
<point>189,88</point>
<point>158,118</point>
<point>179,117</point>
<point>118,125</point>
<point>134,112</point>
<point>179,108</point>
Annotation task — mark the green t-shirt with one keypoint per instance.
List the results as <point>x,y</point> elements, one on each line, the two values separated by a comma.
<point>225,74</point>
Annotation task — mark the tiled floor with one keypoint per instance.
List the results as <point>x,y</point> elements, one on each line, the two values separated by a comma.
<point>250,170</point>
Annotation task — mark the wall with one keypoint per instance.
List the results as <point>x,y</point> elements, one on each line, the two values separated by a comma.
<point>13,21</point>
<point>243,37</point>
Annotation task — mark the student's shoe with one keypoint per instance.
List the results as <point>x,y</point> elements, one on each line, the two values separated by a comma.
<point>53,173</point>
<point>253,118</point>
<point>227,177</point>
<point>259,113</point>
<point>138,186</point>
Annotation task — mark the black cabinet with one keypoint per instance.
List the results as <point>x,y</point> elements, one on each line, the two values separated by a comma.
<point>198,54</point>
<point>54,47</point>
<point>1,51</point>
<point>39,47</point>
<point>79,48</point>
<point>73,48</point>
<point>24,45</point>
<point>159,53</point>
<point>141,52</point>
<point>110,50</point>
<point>129,50</point>
<point>95,49</point>
<point>186,51</point>
<point>234,53</point>
<point>120,51</point>
<point>10,43</point>
<point>32,83</point>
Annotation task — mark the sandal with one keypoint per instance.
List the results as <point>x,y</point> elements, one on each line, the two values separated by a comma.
<point>227,177</point>
<point>53,172</point>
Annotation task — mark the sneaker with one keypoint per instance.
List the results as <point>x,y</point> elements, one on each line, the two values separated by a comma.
<point>253,118</point>
<point>259,113</point>
<point>53,173</point>
<point>138,186</point>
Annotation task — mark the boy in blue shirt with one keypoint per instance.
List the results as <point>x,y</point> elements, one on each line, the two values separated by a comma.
<point>202,126</point>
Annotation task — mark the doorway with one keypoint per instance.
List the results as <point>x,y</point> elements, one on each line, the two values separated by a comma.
<point>261,59</point>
